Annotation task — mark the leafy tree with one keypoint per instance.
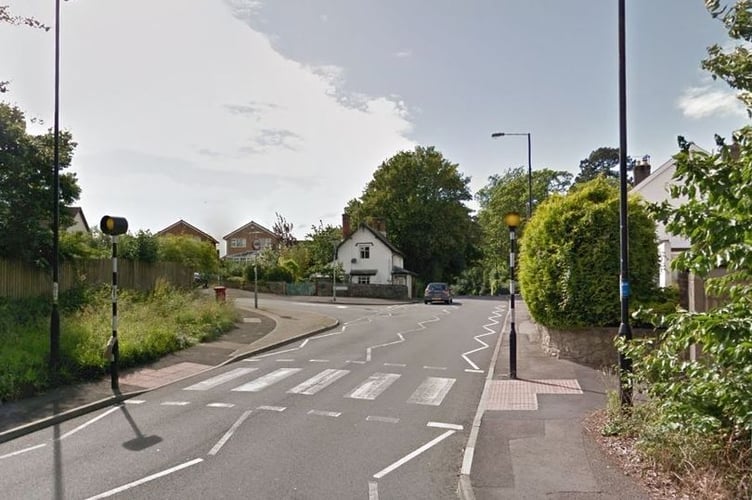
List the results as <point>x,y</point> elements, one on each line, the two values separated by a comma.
<point>83,245</point>
<point>7,17</point>
<point>320,243</point>
<point>569,257</point>
<point>421,197</point>
<point>710,396</point>
<point>283,230</point>
<point>603,161</point>
<point>509,193</point>
<point>143,247</point>
<point>200,256</point>
<point>26,188</point>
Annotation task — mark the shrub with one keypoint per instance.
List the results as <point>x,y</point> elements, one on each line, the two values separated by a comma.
<point>569,260</point>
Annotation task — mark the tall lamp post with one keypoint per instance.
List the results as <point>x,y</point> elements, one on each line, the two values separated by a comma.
<point>512,220</point>
<point>625,332</point>
<point>334,270</point>
<point>55,316</point>
<point>529,168</point>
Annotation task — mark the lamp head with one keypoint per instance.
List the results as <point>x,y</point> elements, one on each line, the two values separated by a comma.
<point>512,219</point>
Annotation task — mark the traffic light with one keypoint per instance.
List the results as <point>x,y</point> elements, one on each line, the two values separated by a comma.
<point>114,226</point>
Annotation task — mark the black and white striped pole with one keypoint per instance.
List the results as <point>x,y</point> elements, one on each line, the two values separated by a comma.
<point>512,220</point>
<point>113,226</point>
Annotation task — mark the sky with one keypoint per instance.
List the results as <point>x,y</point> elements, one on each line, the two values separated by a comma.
<point>219,112</point>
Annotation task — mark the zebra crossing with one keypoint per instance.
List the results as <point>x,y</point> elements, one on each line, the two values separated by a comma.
<point>432,390</point>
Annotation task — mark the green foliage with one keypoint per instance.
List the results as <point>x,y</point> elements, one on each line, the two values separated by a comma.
<point>150,325</point>
<point>26,188</point>
<point>421,197</point>
<point>84,246</point>
<point>603,162</point>
<point>200,256</point>
<point>320,247</point>
<point>569,261</point>
<point>142,247</point>
<point>504,194</point>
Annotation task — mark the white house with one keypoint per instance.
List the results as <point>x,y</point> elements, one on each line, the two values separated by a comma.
<point>654,188</point>
<point>367,257</point>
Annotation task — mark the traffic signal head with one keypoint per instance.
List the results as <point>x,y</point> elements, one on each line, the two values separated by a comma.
<point>114,226</point>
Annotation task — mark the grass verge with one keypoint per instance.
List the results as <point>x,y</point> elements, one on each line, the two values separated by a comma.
<point>149,326</point>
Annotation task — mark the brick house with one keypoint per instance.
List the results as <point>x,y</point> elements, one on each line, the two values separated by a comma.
<point>182,228</point>
<point>244,243</point>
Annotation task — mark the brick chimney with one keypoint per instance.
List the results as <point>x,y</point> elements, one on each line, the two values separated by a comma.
<point>381,226</point>
<point>641,169</point>
<point>345,226</point>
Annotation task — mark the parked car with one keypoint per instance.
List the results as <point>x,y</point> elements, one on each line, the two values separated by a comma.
<point>437,292</point>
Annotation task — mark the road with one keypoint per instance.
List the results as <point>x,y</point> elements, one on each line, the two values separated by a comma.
<point>379,408</point>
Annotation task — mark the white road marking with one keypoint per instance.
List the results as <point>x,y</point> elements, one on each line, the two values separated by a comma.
<point>31,448</point>
<point>146,479</point>
<point>434,368</point>
<point>220,405</point>
<point>398,365</point>
<point>219,379</point>
<point>175,403</point>
<point>318,382</point>
<point>373,490</point>
<point>318,360</point>
<point>375,385</point>
<point>442,425</point>
<point>272,408</point>
<point>251,320</point>
<point>490,331</point>
<point>356,362</point>
<point>267,380</point>
<point>86,424</point>
<point>369,350</point>
<point>412,455</point>
<point>229,433</point>
<point>134,401</point>
<point>285,360</point>
<point>388,420</point>
<point>322,413</point>
<point>468,370</point>
<point>432,391</point>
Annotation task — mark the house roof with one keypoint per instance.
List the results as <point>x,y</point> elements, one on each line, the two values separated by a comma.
<point>250,224</point>
<point>181,222</point>
<point>399,270</point>
<point>73,211</point>
<point>665,172</point>
<point>379,236</point>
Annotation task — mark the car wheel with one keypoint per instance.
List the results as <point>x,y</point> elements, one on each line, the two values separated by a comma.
<point>425,302</point>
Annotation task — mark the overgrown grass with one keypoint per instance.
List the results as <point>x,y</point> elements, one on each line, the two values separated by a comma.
<point>702,465</point>
<point>149,326</point>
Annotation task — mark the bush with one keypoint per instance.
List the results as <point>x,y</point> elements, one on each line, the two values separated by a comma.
<point>569,260</point>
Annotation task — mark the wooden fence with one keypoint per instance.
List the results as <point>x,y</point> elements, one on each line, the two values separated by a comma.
<point>19,280</point>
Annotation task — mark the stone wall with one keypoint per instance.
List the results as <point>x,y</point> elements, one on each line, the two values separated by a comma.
<point>394,292</point>
<point>592,347</point>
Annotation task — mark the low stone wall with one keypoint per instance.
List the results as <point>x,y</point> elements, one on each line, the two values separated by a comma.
<point>592,347</point>
<point>393,292</point>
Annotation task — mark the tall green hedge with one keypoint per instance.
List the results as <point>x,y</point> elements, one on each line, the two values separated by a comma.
<point>569,257</point>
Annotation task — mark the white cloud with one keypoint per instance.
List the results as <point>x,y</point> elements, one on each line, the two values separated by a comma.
<point>403,54</point>
<point>186,112</point>
<point>701,102</point>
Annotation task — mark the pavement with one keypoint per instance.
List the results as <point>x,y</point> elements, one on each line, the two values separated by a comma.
<point>527,441</point>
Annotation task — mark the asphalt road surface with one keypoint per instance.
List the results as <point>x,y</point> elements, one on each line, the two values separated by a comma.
<point>379,408</point>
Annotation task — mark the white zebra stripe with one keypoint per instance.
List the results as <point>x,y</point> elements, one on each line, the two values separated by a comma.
<point>318,382</point>
<point>219,379</point>
<point>432,391</point>
<point>262,383</point>
<point>375,385</point>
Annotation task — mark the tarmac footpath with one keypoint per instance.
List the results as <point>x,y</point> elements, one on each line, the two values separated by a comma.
<point>528,440</point>
<point>257,331</point>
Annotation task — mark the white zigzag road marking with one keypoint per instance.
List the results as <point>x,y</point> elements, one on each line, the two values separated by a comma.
<point>421,327</point>
<point>490,331</point>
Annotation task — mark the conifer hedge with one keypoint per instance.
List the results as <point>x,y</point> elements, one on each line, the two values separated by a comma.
<point>569,257</point>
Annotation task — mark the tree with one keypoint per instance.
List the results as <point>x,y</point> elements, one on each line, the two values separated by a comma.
<point>709,396</point>
<point>26,188</point>
<point>320,244</point>
<point>603,161</point>
<point>569,257</point>
<point>143,247</point>
<point>420,196</point>
<point>509,193</point>
<point>7,17</point>
<point>199,256</point>
<point>283,230</point>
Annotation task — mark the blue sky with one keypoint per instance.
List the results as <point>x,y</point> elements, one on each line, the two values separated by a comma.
<point>220,112</point>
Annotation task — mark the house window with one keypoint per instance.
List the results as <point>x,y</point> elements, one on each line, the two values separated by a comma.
<point>365,252</point>
<point>237,243</point>
<point>364,280</point>
<point>266,242</point>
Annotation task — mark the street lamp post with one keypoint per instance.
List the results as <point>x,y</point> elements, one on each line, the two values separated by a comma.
<point>529,167</point>
<point>255,284</point>
<point>512,220</point>
<point>55,316</point>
